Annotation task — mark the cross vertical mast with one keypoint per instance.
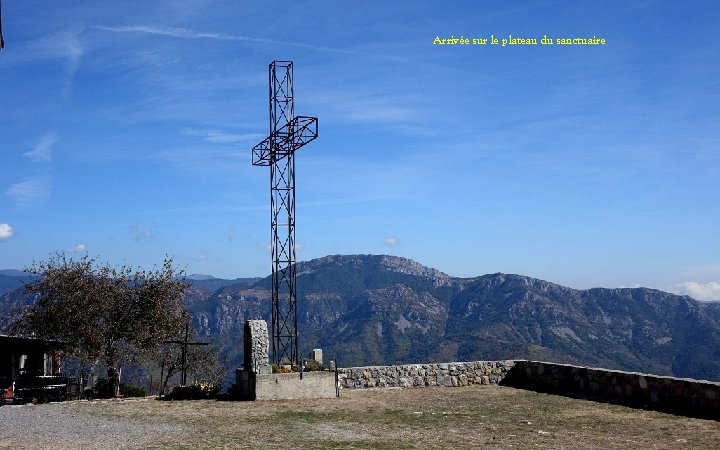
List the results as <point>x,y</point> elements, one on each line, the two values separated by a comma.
<point>287,134</point>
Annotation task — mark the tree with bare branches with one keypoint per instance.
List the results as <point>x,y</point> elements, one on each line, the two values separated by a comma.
<point>98,310</point>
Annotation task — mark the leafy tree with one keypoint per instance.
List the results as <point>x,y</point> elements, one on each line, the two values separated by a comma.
<point>99,310</point>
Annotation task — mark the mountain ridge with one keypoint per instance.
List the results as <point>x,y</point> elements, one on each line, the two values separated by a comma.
<point>380,309</point>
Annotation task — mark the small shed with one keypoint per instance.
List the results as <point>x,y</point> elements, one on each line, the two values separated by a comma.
<point>20,356</point>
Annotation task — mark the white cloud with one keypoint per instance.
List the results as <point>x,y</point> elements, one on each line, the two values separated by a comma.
<point>391,241</point>
<point>221,137</point>
<point>78,248</point>
<point>699,291</point>
<point>6,231</point>
<point>30,192</point>
<point>41,152</point>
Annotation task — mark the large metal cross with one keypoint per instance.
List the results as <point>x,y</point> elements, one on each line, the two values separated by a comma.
<point>287,134</point>
<point>184,345</point>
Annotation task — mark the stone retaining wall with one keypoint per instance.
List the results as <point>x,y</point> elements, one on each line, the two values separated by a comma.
<point>422,375</point>
<point>684,396</point>
<point>689,397</point>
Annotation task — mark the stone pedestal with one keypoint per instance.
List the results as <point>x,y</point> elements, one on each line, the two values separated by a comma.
<point>256,349</point>
<point>257,382</point>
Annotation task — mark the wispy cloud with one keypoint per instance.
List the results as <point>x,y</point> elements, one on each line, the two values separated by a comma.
<point>140,232</point>
<point>79,248</point>
<point>377,110</point>
<point>42,151</point>
<point>391,241</point>
<point>30,192</point>
<point>185,33</point>
<point>64,45</point>
<point>400,112</point>
<point>221,137</point>
<point>699,291</point>
<point>6,231</point>
<point>231,233</point>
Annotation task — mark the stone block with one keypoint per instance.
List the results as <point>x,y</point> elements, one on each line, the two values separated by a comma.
<point>444,380</point>
<point>282,386</point>
<point>317,355</point>
<point>256,346</point>
<point>463,379</point>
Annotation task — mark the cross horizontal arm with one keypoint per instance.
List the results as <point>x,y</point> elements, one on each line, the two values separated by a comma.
<point>293,135</point>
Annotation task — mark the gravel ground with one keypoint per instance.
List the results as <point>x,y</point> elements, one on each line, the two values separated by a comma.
<point>75,425</point>
<point>469,417</point>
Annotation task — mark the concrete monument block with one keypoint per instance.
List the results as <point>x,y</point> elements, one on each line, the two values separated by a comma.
<point>257,347</point>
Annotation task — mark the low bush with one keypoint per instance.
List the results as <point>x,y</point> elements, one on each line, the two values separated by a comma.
<point>101,389</point>
<point>132,391</point>
<point>312,365</point>
<point>196,391</point>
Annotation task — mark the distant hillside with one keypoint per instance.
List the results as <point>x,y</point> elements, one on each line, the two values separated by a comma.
<point>13,273</point>
<point>11,280</point>
<point>369,309</point>
<point>209,283</point>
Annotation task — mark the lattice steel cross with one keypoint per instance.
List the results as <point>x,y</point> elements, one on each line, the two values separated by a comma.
<point>287,134</point>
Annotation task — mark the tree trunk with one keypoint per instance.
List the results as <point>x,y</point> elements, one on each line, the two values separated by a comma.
<point>112,375</point>
<point>112,378</point>
<point>93,373</point>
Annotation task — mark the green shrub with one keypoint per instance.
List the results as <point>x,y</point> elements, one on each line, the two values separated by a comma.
<point>312,365</point>
<point>196,391</point>
<point>205,389</point>
<point>101,388</point>
<point>132,391</point>
<point>284,368</point>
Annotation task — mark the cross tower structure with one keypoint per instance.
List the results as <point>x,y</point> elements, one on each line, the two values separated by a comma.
<point>288,133</point>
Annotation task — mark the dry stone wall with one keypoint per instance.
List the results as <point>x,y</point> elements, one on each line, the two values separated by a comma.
<point>694,398</point>
<point>422,375</point>
<point>685,396</point>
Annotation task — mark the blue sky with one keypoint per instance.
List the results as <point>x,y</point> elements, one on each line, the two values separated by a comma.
<point>127,127</point>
